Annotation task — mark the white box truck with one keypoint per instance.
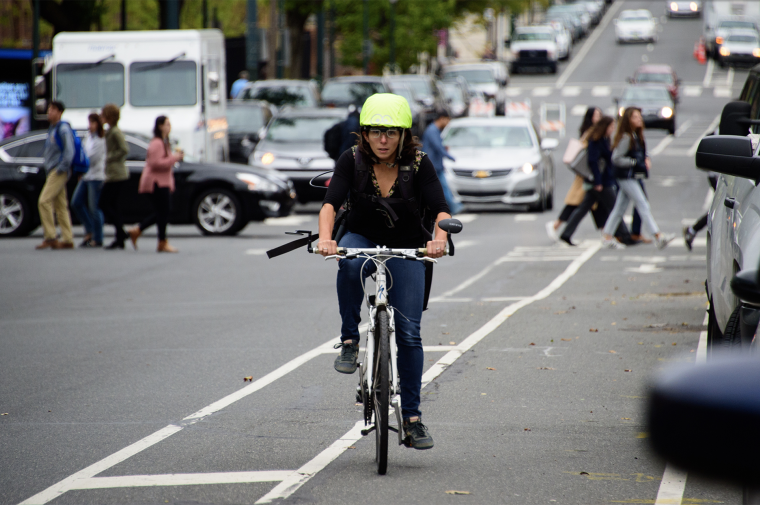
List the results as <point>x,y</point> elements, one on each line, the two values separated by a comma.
<point>175,73</point>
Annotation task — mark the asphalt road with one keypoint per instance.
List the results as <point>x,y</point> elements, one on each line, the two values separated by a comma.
<point>121,373</point>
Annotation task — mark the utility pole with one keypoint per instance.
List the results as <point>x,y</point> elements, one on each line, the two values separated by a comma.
<point>172,14</point>
<point>331,40</point>
<point>35,55</point>
<point>321,44</point>
<point>204,8</point>
<point>365,40</point>
<point>392,58</point>
<point>123,15</point>
<point>252,41</point>
<point>281,37</point>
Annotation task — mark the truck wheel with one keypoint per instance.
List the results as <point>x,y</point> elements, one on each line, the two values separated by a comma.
<point>218,211</point>
<point>16,218</point>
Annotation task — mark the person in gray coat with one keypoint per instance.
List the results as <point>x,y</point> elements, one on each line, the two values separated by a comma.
<point>631,162</point>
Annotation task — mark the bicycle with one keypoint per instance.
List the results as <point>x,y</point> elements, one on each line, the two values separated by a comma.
<point>378,388</point>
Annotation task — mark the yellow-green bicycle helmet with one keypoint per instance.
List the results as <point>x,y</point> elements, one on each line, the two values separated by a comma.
<point>386,109</point>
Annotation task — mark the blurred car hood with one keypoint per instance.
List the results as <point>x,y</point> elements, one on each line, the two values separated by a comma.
<point>293,149</point>
<point>475,158</point>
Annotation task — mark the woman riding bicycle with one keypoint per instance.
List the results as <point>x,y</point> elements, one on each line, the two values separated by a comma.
<point>382,215</point>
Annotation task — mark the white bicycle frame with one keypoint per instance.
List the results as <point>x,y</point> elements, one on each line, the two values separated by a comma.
<point>379,256</point>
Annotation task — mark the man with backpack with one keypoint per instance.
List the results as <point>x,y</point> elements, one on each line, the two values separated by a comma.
<point>59,156</point>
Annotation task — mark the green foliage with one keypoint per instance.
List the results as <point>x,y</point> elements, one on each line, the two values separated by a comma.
<point>416,24</point>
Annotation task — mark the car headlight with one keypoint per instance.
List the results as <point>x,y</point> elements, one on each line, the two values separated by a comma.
<point>756,52</point>
<point>527,168</point>
<point>666,112</point>
<point>724,51</point>
<point>267,159</point>
<point>718,40</point>
<point>674,6</point>
<point>693,6</point>
<point>256,183</point>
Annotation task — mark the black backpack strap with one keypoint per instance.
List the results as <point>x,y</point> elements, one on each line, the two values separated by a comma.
<point>406,185</point>
<point>361,175</point>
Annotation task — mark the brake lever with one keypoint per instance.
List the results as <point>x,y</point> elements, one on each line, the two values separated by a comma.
<point>451,244</point>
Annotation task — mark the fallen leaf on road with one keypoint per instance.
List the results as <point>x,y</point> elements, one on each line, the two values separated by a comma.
<point>613,352</point>
<point>545,368</point>
<point>352,447</point>
<point>489,368</point>
<point>526,429</point>
<point>567,339</point>
<point>457,492</point>
<point>613,302</point>
<point>641,343</point>
<point>593,330</point>
<point>561,312</point>
<point>584,473</point>
<point>628,370</point>
<point>444,333</point>
<point>625,418</point>
<point>692,350</point>
<point>249,378</point>
<point>482,394</point>
<point>674,343</point>
<point>4,414</point>
<point>452,343</point>
<point>684,324</point>
<point>531,343</point>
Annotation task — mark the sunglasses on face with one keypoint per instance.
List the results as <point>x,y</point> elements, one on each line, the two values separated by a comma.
<point>390,133</point>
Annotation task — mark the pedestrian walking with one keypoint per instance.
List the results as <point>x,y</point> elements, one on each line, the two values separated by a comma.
<point>601,191</point>
<point>116,173</point>
<point>636,222</point>
<point>58,157</point>
<point>84,203</point>
<point>433,146</point>
<point>575,194</point>
<point>631,163</point>
<point>157,179</point>
<point>239,84</point>
<point>350,129</point>
<point>690,232</point>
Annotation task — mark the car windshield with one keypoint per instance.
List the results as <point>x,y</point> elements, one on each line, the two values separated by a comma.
<point>244,119</point>
<point>476,76</point>
<point>646,94</point>
<point>419,86</point>
<point>751,39</point>
<point>634,18</point>
<point>350,92</point>
<point>737,24</point>
<point>453,92</point>
<point>89,85</point>
<point>488,136</point>
<point>300,129</point>
<point>158,83</point>
<point>655,77</point>
<point>280,95</point>
<point>533,36</point>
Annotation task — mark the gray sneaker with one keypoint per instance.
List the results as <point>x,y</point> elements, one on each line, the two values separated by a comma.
<point>347,360</point>
<point>417,436</point>
<point>663,240</point>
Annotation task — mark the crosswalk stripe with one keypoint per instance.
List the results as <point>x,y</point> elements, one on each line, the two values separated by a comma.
<point>722,92</point>
<point>571,91</point>
<point>578,110</point>
<point>601,91</point>
<point>514,92</point>
<point>542,91</point>
<point>692,91</point>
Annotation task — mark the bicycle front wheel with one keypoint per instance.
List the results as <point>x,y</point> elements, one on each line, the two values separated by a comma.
<point>381,388</point>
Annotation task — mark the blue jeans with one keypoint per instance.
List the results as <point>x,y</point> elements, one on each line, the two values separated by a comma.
<point>84,203</point>
<point>407,289</point>
<point>455,206</point>
<point>636,224</point>
<point>630,190</point>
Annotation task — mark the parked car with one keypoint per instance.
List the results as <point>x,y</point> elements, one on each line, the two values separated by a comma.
<point>500,160</point>
<point>219,198</point>
<point>533,47</point>
<point>740,47</point>
<point>490,78</point>
<point>352,90</point>
<point>658,109</point>
<point>635,26</point>
<point>419,117</point>
<point>427,93</point>
<point>563,38</point>
<point>577,11</point>
<point>282,92</point>
<point>717,31</point>
<point>658,74</point>
<point>571,21</point>
<point>292,144</point>
<point>244,120</point>
<point>683,8</point>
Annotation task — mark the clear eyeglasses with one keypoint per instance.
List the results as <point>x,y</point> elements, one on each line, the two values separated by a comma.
<point>390,133</point>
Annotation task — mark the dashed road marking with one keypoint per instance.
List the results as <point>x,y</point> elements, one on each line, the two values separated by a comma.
<point>542,91</point>
<point>721,92</point>
<point>599,91</point>
<point>692,91</point>
<point>578,110</point>
<point>571,91</point>
<point>525,217</point>
<point>513,92</point>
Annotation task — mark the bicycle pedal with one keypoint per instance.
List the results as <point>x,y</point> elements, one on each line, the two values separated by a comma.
<point>408,442</point>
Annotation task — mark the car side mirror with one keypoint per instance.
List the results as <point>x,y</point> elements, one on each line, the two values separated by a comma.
<point>261,133</point>
<point>728,154</point>
<point>507,42</point>
<point>686,404</point>
<point>735,118</point>
<point>503,83</point>
<point>746,286</point>
<point>549,144</point>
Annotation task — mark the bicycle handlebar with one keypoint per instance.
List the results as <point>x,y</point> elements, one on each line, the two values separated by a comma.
<point>419,253</point>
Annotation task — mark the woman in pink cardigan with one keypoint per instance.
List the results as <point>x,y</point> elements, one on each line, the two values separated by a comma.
<point>158,179</point>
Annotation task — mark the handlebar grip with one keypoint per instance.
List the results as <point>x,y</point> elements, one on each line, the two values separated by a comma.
<point>422,251</point>
<point>341,250</point>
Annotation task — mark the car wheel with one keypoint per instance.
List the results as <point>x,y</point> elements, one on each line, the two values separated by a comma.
<point>218,212</point>
<point>714,335</point>
<point>550,201</point>
<point>672,128</point>
<point>553,68</point>
<point>15,215</point>
<point>732,337</point>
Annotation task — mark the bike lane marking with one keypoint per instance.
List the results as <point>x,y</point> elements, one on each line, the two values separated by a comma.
<point>301,476</point>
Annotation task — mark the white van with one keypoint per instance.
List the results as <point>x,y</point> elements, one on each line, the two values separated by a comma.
<point>175,73</point>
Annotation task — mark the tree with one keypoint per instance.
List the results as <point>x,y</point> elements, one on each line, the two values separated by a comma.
<point>71,15</point>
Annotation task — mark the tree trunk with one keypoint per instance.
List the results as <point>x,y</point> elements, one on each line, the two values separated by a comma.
<point>163,13</point>
<point>70,15</point>
<point>295,22</point>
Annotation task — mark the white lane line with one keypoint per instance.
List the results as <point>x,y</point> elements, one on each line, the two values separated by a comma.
<point>513,92</point>
<point>672,487</point>
<point>104,464</point>
<point>708,74</point>
<point>730,77</point>
<point>68,483</point>
<point>673,482</point>
<point>587,46</point>
<point>693,149</point>
<point>466,218</point>
<point>542,91</point>
<point>692,91</point>
<point>182,479</point>
<point>684,126</point>
<point>287,221</point>
<point>306,472</point>
<point>571,91</point>
<point>578,110</point>
<point>462,244</point>
<point>525,217</point>
<point>662,145</point>
<point>503,299</point>
<point>721,92</point>
<point>600,91</point>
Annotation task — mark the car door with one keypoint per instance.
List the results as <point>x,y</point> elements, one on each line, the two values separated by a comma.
<point>135,206</point>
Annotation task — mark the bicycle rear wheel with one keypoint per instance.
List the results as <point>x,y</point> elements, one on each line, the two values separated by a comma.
<point>381,389</point>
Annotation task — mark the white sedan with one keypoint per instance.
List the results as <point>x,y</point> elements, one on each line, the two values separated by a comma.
<point>635,26</point>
